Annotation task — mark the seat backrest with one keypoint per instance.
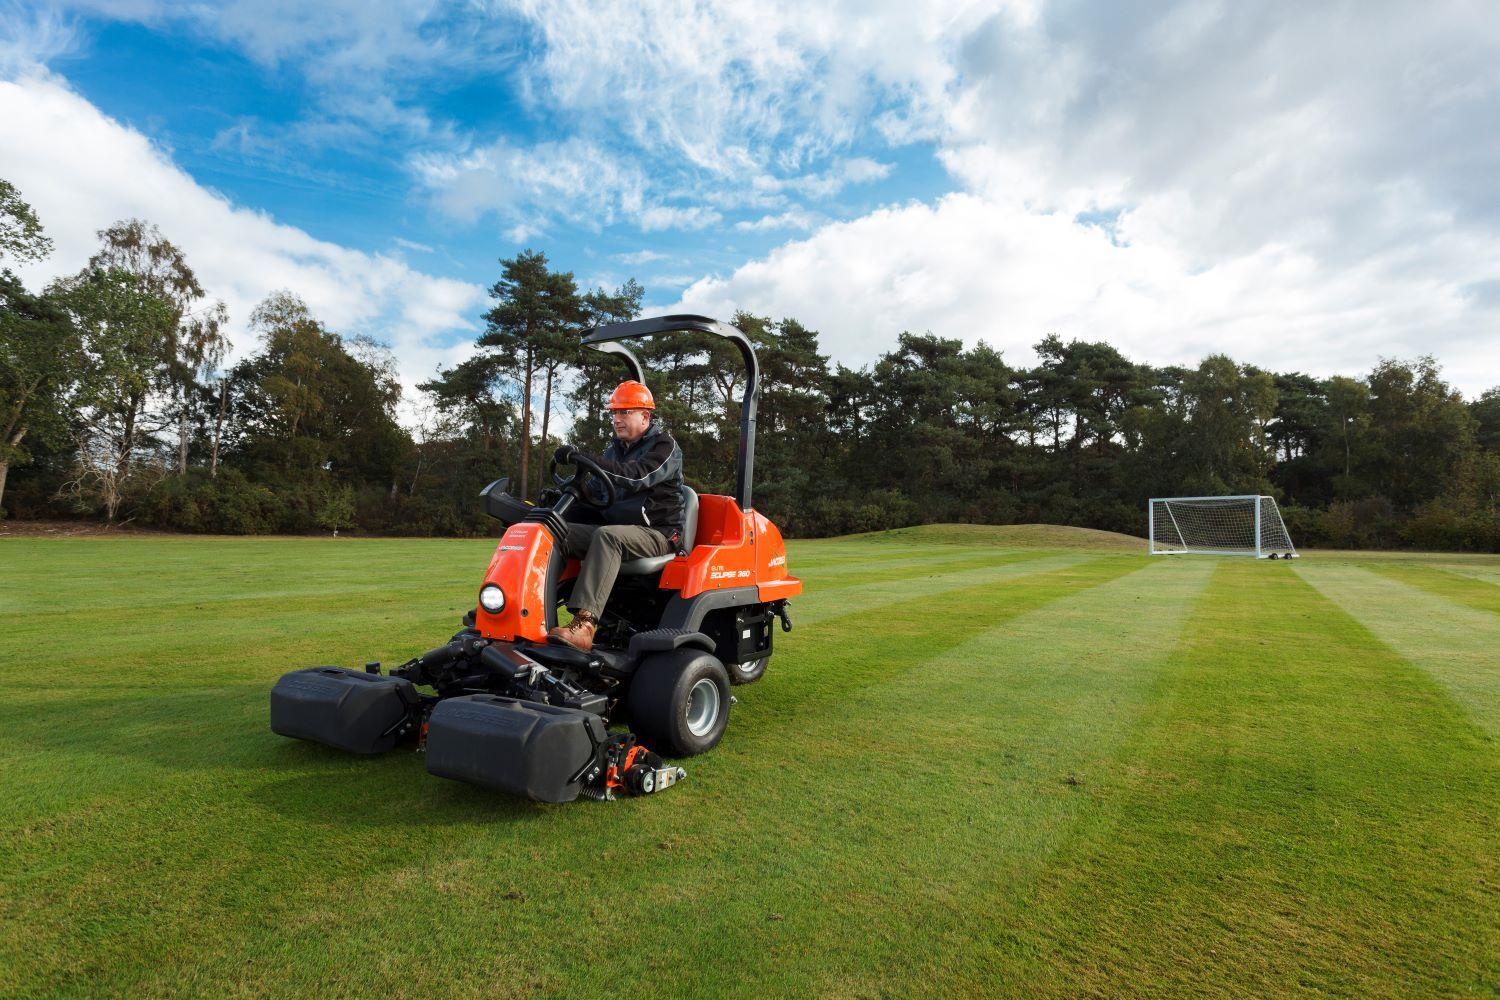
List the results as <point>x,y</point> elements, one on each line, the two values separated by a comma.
<point>689,517</point>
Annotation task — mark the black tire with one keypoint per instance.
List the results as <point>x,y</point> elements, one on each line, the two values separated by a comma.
<point>748,673</point>
<point>662,699</point>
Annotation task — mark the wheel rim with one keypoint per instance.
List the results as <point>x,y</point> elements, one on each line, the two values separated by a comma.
<point>750,666</point>
<point>703,707</point>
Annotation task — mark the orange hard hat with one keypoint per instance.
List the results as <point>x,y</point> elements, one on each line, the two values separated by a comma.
<point>631,395</point>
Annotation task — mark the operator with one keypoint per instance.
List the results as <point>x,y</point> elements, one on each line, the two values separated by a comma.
<point>645,520</point>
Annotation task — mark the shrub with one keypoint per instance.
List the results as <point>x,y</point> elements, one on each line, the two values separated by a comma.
<point>1370,523</point>
<point>226,504</point>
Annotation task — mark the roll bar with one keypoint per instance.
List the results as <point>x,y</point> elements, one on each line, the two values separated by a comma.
<point>625,354</point>
<point>605,338</point>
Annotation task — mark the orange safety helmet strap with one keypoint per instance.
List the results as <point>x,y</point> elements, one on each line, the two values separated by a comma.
<point>631,395</point>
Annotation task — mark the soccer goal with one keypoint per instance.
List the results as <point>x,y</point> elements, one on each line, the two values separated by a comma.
<point>1223,526</point>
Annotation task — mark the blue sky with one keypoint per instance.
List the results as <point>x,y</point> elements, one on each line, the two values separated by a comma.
<point>253,132</point>
<point>1302,188</point>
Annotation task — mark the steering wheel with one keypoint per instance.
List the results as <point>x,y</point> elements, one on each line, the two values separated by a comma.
<point>587,476</point>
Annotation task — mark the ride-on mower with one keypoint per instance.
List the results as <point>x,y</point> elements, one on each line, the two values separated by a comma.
<point>506,710</point>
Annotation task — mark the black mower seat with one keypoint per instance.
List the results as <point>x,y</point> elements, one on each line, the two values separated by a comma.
<point>643,567</point>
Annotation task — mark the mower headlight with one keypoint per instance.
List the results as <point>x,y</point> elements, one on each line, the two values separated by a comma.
<point>492,599</point>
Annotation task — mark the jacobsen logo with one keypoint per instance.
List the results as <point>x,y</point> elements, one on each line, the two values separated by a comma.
<point>519,548</point>
<point>778,561</point>
<point>727,574</point>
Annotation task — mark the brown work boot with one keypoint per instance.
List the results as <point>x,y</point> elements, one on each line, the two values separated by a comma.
<point>579,633</point>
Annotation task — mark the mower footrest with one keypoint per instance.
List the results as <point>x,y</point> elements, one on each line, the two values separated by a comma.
<point>346,709</point>
<point>521,747</point>
<point>661,640</point>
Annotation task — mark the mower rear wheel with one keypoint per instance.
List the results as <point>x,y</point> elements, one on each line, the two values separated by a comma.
<point>748,672</point>
<point>679,702</point>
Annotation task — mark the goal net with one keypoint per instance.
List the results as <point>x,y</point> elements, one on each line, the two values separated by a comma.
<point>1226,526</point>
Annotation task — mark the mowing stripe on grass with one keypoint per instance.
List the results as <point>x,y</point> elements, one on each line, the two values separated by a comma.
<point>825,554</point>
<point>858,567</point>
<point>1457,645</point>
<point>98,573</point>
<point>953,766</point>
<point>1487,573</point>
<point>1255,843</point>
<point>817,606</point>
<point>820,583</point>
<point>854,649</point>
<point>1444,583</point>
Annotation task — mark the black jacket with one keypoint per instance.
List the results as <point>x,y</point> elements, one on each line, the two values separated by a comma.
<point>648,482</point>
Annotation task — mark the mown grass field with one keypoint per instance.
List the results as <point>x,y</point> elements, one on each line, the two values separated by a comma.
<point>987,762</point>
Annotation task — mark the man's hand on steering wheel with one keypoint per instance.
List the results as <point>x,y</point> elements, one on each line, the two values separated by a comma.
<point>588,473</point>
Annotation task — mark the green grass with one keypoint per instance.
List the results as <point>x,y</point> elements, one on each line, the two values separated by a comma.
<point>988,761</point>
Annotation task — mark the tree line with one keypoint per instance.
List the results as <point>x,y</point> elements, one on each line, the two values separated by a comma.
<point>116,403</point>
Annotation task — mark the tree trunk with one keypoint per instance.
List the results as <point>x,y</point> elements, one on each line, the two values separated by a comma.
<point>182,432</point>
<point>546,418</point>
<point>292,435</point>
<point>111,500</point>
<point>412,489</point>
<point>122,461</point>
<point>526,425</point>
<point>15,442</point>
<point>213,458</point>
<point>127,441</point>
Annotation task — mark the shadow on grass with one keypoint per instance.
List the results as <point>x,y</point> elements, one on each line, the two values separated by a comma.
<point>222,737</point>
<point>412,799</point>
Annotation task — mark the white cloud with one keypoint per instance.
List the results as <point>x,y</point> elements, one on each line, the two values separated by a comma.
<point>32,35</point>
<point>717,106</point>
<point>673,280</point>
<point>727,86</point>
<point>640,257</point>
<point>793,219</point>
<point>574,179</point>
<point>826,184</point>
<point>678,217</point>
<point>1331,127</point>
<point>1305,187</point>
<point>83,171</point>
<point>981,268</point>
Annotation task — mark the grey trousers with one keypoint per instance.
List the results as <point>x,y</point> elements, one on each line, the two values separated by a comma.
<point>602,548</point>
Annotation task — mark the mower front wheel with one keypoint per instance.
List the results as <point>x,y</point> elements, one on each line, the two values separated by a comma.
<point>679,702</point>
<point>748,672</point>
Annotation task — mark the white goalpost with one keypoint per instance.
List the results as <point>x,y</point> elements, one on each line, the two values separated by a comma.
<point>1222,526</point>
